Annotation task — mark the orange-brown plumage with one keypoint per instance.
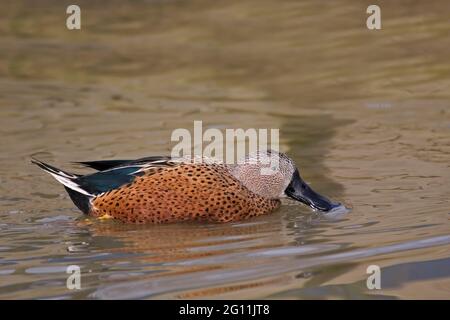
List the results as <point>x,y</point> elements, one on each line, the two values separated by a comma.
<point>204,192</point>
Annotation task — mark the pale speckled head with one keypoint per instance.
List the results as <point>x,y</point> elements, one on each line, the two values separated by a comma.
<point>274,175</point>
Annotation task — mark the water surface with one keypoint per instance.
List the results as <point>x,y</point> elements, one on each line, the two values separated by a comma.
<point>365,114</point>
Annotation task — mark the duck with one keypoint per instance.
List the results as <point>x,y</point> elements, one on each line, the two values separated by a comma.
<point>165,189</point>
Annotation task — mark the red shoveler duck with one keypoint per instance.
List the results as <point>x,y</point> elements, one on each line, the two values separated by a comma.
<point>165,190</point>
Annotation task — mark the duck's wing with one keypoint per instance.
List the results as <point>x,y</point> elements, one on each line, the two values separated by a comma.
<point>101,165</point>
<point>121,172</point>
<point>118,173</point>
<point>83,188</point>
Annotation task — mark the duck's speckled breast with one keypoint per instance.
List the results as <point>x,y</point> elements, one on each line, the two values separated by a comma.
<point>206,192</point>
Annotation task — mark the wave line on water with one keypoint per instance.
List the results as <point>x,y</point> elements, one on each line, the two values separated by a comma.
<point>153,286</point>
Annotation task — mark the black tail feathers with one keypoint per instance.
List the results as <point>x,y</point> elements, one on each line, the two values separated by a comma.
<point>80,197</point>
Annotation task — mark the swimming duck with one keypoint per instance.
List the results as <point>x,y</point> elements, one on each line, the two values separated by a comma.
<point>163,189</point>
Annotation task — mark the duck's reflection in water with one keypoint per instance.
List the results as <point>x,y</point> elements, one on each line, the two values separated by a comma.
<point>187,256</point>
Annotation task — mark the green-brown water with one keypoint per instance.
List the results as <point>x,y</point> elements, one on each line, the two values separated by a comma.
<point>366,115</point>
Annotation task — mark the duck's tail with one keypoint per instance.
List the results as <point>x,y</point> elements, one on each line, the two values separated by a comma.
<point>79,196</point>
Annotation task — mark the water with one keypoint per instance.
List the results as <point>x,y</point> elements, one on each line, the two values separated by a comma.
<point>364,113</point>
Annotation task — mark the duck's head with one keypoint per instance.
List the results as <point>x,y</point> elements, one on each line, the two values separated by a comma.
<point>274,175</point>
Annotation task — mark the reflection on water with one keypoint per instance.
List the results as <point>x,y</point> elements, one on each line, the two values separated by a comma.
<point>365,115</point>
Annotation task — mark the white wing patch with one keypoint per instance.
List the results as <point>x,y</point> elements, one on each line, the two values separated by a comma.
<point>63,177</point>
<point>69,183</point>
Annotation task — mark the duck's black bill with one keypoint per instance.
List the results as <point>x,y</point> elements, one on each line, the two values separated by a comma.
<point>300,191</point>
